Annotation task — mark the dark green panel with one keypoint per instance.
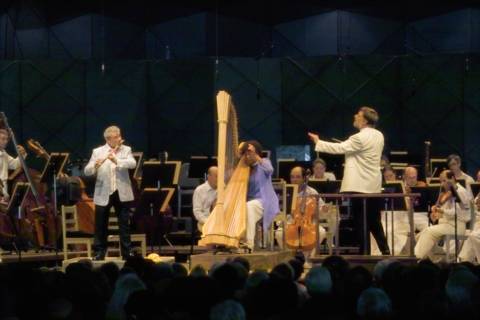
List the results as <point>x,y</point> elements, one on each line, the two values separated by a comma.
<point>180,107</point>
<point>52,104</point>
<point>256,91</point>
<point>116,96</point>
<point>433,103</point>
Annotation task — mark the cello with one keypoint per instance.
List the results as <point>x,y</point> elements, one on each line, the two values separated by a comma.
<point>302,232</point>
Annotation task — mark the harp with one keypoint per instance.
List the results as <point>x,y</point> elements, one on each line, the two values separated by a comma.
<point>226,224</point>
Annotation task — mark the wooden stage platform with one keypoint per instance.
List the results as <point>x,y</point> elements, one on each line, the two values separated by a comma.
<point>258,260</point>
<point>117,261</point>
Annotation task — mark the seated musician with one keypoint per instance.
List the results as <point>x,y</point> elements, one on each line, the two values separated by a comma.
<point>297,176</point>
<point>262,201</point>
<point>319,171</point>
<point>204,197</point>
<point>454,163</point>
<point>471,247</point>
<point>444,212</point>
<point>389,174</point>
<point>410,178</point>
<point>7,162</point>
<point>401,224</point>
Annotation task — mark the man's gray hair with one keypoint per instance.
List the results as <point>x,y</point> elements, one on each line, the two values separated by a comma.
<point>111,130</point>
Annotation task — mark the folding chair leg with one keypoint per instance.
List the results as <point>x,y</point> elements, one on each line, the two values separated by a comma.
<point>89,250</point>
<point>65,250</point>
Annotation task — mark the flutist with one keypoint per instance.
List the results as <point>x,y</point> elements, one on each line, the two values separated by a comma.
<point>110,164</point>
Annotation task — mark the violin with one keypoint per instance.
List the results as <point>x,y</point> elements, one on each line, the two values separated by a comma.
<point>444,196</point>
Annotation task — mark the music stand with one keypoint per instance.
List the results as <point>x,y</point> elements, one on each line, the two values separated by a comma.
<point>136,172</point>
<point>154,201</point>
<point>54,167</point>
<point>475,187</point>
<point>428,198</point>
<point>14,209</point>
<point>326,186</point>
<point>51,172</point>
<point>158,175</point>
<point>399,204</point>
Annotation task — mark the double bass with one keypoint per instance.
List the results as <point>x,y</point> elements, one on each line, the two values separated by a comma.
<point>38,217</point>
<point>301,233</point>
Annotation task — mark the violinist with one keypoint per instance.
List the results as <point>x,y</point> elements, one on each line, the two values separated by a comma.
<point>446,209</point>
<point>454,163</point>
<point>113,188</point>
<point>7,162</point>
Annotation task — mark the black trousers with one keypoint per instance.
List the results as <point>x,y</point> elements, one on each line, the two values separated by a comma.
<point>374,225</point>
<point>101,225</point>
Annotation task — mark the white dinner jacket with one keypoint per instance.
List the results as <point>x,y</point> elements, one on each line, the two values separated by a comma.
<point>103,184</point>
<point>363,152</point>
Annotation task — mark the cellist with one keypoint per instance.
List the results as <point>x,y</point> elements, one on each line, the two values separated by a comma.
<point>298,176</point>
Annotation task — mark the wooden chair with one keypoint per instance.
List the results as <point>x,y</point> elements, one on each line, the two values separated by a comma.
<point>71,233</point>
<point>329,222</point>
<point>281,218</point>
<point>115,237</point>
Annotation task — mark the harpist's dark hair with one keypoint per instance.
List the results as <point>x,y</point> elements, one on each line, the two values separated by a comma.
<point>255,144</point>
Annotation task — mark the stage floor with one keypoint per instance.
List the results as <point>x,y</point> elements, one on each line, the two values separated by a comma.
<point>96,264</point>
<point>258,260</point>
